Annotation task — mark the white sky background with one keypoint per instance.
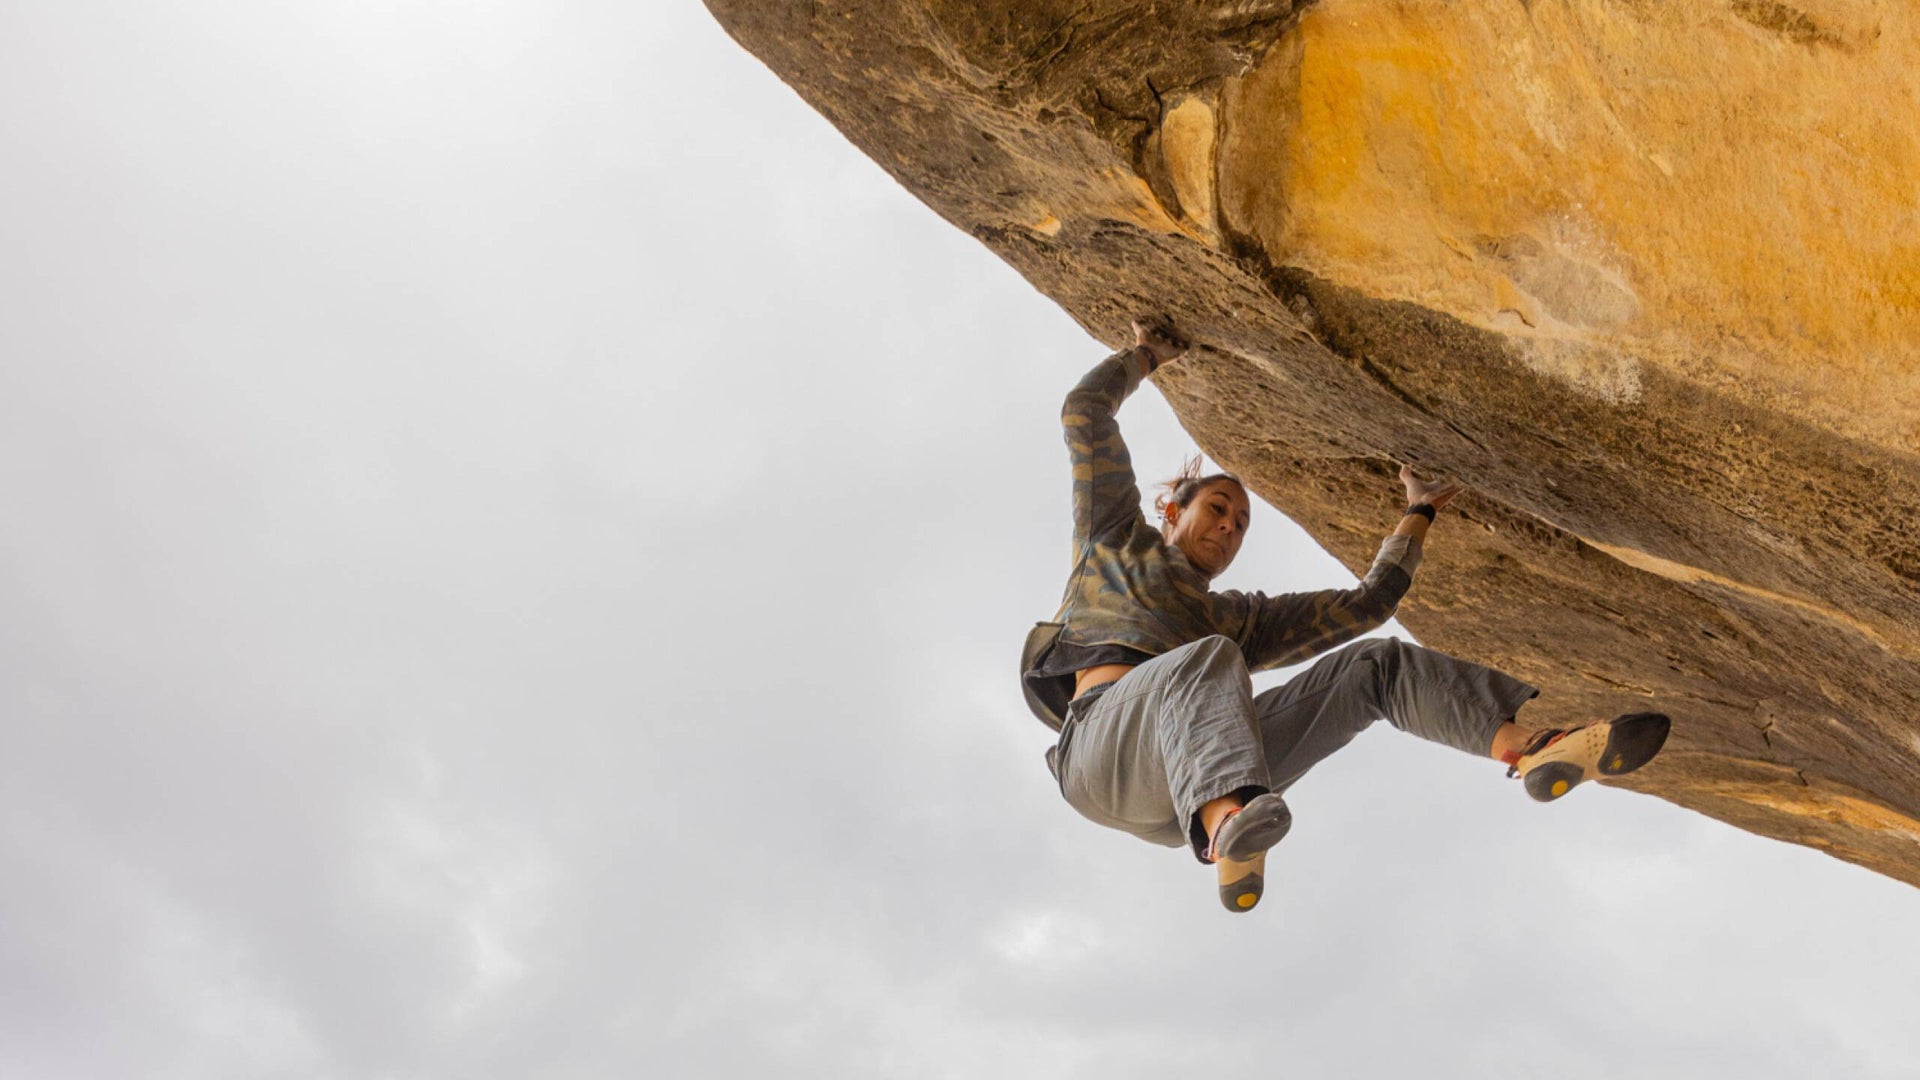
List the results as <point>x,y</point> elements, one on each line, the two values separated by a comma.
<point>517,539</point>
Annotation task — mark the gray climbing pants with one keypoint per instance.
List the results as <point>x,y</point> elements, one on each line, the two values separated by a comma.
<point>1143,753</point>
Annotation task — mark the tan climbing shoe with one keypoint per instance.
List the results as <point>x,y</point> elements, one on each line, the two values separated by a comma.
<point>1241,883</point>
<point>1239,848</point>
<point>1558,759</point>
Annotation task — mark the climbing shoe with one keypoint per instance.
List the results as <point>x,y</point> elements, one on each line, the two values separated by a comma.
<point>1560,758</point>
<point>1239,848</point>
<point>1251,829</point>
<point>1241,883</point>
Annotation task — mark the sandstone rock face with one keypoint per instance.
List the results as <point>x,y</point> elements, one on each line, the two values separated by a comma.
<point>1645,276</point>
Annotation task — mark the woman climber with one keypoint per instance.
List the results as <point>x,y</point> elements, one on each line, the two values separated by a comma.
<point>1144,670</point>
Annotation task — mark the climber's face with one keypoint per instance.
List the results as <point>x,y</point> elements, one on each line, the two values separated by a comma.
<point>1211,526</point>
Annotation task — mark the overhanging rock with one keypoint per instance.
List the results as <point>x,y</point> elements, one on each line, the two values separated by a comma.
<point>1645,276</point>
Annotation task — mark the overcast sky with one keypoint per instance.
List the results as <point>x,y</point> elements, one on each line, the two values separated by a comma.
<point>517,539</point>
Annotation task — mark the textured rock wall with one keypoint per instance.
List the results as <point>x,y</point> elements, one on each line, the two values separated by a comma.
<point>1643,275</point>
<point>1727,191</point>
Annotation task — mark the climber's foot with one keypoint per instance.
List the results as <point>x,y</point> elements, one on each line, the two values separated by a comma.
<point>1241,883</point>
<point>1239,846</point>
<point>1558,759</point>
<point>1248,830</point>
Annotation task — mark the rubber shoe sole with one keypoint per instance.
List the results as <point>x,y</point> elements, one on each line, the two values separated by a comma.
<point>1240,850</point>
<point>1242,883</point>
<point>1612,748</point>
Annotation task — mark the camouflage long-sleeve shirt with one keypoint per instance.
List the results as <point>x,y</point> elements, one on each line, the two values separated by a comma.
<point>1131,588</point>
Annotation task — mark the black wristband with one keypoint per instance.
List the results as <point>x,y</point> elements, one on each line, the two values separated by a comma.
<point>1425,510</point>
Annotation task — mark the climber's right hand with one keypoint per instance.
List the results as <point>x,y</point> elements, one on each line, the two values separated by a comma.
<point>1158,338</point>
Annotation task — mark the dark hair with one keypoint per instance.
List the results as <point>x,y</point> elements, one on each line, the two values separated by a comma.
<point>1181,490</point>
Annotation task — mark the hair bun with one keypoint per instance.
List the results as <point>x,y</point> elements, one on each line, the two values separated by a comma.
<point>1180,490</point>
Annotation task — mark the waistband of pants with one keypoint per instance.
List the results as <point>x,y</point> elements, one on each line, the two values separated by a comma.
<point>1084,700</point>
<point>1094,692</point>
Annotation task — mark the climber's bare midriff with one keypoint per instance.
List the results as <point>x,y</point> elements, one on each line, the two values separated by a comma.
<point>1099,675</point>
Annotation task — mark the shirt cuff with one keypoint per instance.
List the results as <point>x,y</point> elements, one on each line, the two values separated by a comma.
<point>1145,358</point>
<point>1404,552</point>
